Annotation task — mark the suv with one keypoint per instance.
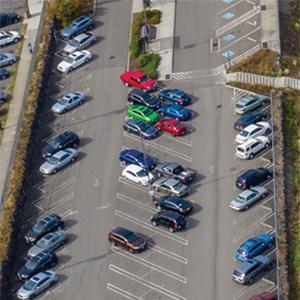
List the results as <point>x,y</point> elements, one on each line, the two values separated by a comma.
<point>171,219</point>
<point>253,177</point>
<point>44,260</point>
<point>252,146</point>
<point>8,18</point>
<point>251,269</point>
<point>62,141</point>
<point>50,223</point>
<point>8,37</point>
<point>141,97</point>
<point>79,25</point>
<point>249,103</point>
<point>174,96</point>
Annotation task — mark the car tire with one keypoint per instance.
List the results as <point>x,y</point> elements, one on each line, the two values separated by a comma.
<point>15,21</point>
<point>75,145</point>
<point>251,155</point>
<point>3,77</point>
<point>86,60</point>
<point>54,171</point>
<point>158,207</point>
<point>31,296</point>
<point>246,207</point>
<point>70,69</point>
<point>11,62</point>
<point>251,280</point>
<point>270,245</point>
<point>123,164</point>
<point>154,223</point>
<point>131,250</point>
<point>61,225</point>
<point>73,159</point>
<point>53,283</point>
<point>90,27</point>
<point>264,195</point>
<point>156,188</point>
<point>267,145</point>
<point>269,267</point>
<point>171,229</point>
<point>16,40</point>
<point>52,264</point>
<point>126,83</point>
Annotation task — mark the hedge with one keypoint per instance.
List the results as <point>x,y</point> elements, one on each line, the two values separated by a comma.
<point>148,63</point>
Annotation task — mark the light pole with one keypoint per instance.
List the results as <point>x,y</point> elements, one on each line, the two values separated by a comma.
<point>27,10</point>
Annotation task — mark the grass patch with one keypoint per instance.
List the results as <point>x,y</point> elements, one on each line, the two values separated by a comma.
<point>148,63</point>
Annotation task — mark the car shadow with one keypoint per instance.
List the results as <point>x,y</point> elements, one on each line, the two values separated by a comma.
<point>81,155</point>
<point>71,238</point>
<point>192,223</point>
<point>61,279</point>
<point>195,114</point>
<point>69,223</point>
<point>85,141</point>
<point>194,98</point>
<point>63,259</point>
<point>196,209</point>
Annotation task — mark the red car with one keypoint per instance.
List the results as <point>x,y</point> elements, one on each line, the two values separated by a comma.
<point>171,126</point>
<point>138,80</point>
<point>264,296</point>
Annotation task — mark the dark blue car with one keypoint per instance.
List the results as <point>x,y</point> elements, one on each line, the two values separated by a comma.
<point>254,246</point>
<point>174,96</point>
<point>132,156</point>
<point>3,73</point>
<point>175,111</point>
<point>79,25</point>
<point>250,118</point>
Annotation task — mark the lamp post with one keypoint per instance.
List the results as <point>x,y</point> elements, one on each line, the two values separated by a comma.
<point>27,10</point>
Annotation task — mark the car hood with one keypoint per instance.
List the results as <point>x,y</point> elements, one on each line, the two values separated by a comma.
<point>150,130</point>
<point>24,293</point>
<point>64,65</point>
<point>149,83</point>
<point>57,107</point>
<point>149,162</point>
<point>68,31</point>
<point>24,272</point>
<point>34,251</point>
<point>31,235</point>
<point>237,204</point>
<point>69,49</point>
<point>47,167</point>
<point>48,150</point>
<point>140,242</point>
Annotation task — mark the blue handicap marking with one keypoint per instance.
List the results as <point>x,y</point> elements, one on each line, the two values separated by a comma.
<point>228,53</point>
<point>229,37</point>
<point>228,15</point>
<point>228,1</point>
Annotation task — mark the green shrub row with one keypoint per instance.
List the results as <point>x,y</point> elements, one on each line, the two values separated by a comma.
<point>148,63</point>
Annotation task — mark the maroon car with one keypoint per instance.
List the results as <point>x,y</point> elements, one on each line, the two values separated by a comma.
<point>264,296</point>
<point>171,126</point>
<point>138,80</point>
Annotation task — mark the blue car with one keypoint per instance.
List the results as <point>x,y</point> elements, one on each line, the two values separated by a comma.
<point>138,158</point>
<point>3,73</point>
<point>174,96</point>
<point>254,246</point>
<point>176,111</point>
<point>79,25</point>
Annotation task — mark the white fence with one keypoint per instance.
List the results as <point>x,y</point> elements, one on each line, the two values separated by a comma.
<point>276,82</point>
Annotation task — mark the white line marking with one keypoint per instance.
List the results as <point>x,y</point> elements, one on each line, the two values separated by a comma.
<point>135,202</point>
<point>122,292</point>
<point>179,139</point>
<point>251,39</point>
<point>229,7</point>
<point>150,265</point>
<point>151,228</point>
<point>145,283</point>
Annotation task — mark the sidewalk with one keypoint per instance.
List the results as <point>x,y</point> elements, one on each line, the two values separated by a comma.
<point>163,44</point>
<point>10,137</point>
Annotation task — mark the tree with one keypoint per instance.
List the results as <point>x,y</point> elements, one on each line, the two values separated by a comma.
<point>27,10</point>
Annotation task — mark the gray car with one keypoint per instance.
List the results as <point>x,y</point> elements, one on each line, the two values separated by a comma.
<point>248,197</point>
<point>251,269</point>
<point>50,241</point>
<point>58,161</point>
<point>68,101</point>
<point>171,186</point>
<point>7,59</point>
<point>80,42</point>
<point>37,284</point>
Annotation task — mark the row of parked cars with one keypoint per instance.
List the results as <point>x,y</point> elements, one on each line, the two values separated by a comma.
<point>251,140</point>
<point>47,235</point>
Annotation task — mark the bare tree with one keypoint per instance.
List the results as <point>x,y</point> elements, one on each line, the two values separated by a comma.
<point>27,11</point>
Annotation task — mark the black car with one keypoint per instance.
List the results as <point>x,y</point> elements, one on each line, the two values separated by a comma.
<point>140,128</point>
<point>174,203</point>
<point>62,141</point>
<point>141,97</point>
<point>253,177</point>
<point>3,96</point>
<point>171,219</point>
<point>42,261</point>
<point>8,18</point>
<point>175,170</point>
<point>250,118</point>
<point>3,73</point>
<point>50,223</point>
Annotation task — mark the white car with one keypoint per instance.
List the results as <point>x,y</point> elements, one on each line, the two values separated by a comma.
<point>8,37</point>
<point>80,42</point>
<point>138,175</point>
<point>74,61</point>
<point>252,146</point>
<point>252,131</point>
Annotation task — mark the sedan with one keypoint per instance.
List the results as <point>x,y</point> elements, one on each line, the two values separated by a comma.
<point>254,246</point>
<point>3,73</point>
<point>138,80</point>
<point>249,103</point>
<point>59,160</point>
<point>175,111</point>
<point>80,42</point>
<point>135,157</point>
<point>127,239</point>
<point>174,96</point>
<point>250,118</point>
<point>171,186</point>
<point>143,113</point>
<point>8,37</point>
<point>74,61</point>
<point>174,203</point>
<point>8,18</point>
<point>141,128</point>
<point>137,175</point>
<point>50,241</point>
<point>37,284</point>
<point>252,131</point>
<point>68,101</point>
<point>248,197</point>
<point>7,59</point>
<point>172,126</point>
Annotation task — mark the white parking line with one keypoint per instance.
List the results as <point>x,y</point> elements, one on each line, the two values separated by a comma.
<point>145,283</point>
<point>135,186</point>
<point>60,186</point>
<point>135,202</point>
<point>240,292</point>
<point>229,7</point>
<point>160,147</point>
<point>179,139</point>
<point>150,227</point>
<point>122,292</point>
<point>150,265</point>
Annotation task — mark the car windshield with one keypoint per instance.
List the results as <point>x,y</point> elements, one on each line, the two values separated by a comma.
<point>142,173</point>
<point>62,101</point>
<point>244,133</point>
<point>178,186</point>
<point>42,243</point>
<point>143,79</point>
<point>54,143</point>
<point>239,105</point>
<point>31,265</point>
<point>52,160</point>
<point>132,237</point>
<point>29,285</point>
<point>240,199</point>
<point>69,59</point>
<point>74,43</point>
<point>144,126</point>
<point>38,228</point>
<point>150,99</point>
<point>178,170</point>
<point>238,273</point>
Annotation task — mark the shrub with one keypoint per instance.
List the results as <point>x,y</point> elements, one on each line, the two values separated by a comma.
<point>148,63</point>
<point>153,16</point>
<point>143,60</point>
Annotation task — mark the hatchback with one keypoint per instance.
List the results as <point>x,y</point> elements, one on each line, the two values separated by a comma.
<point>253,177</point>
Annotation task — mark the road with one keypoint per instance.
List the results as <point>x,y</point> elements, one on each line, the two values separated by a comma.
<point>92,197</point>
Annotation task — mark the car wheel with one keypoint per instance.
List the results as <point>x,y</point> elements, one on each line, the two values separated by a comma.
<point>75,145</point>
<point>31,296</point>
<point>131,250</point>
<point>158,175</point>
<point>267,145</point>
<point>171,229</point>
<point>251,280</point>
<point>246,207</point>
<point>53,283</point>
<point>251,155</point>
<point>54,171</point>
<point>156,188</point>
<point>264,195</point>
<point>86,60</point>
<point>269,266</point>
<point>126,83</point>
<point>90,27</point>
<point>154,223</point>
<point>15,40</point>
<point>80,102</point>
<point>159,207</point>
<point>52,264</point>
<point>70,69</point>
<point>270,245</point>
<point>11,62</point>
<point>114,244</point>
<point>3,77</point>
<point>15,20</point>
<point>61,225</point>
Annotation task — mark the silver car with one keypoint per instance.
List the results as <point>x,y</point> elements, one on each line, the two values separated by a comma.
<point>68,101</point>
<point>58,161</point>
<point>171,186</point>
<point>37,284</point>
<point>248,197</point>
<point>7,59</point>
<point>80,42</point>
<point>50,241</point>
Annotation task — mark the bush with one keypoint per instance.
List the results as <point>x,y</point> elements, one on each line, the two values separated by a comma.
<point>153,16</point>
<point>148,63</point>
<point>143,60</point>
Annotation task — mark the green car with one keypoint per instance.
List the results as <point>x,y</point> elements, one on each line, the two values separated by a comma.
<point>141,112</point>
<point>249,103</point>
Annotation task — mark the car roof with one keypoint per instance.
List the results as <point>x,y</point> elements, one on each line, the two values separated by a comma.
<point>245,193</point>
<point>135,74</point>
<point>121,231</point>
<point>171,181</point>
<point>170,214</point>
<point>246,265</point>
<point>248,142</point>
<point>81,36</point>
<point>75,54</point>
<point>81,18</point>
<point>249,243</point>
<point>132,152</point>
<point>251,127</point>
<point>135,122</point>
<point>60,154</point>
<point>133,168</point>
